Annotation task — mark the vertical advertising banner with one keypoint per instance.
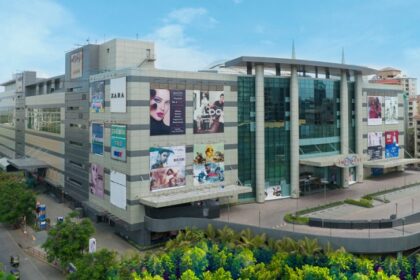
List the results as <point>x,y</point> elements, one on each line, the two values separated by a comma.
<point>374,110</point>
<point>118,95</point>
<point>97,139</point>
<point>97,97</point>
<point>76,65</point>
<point>208,111</point>
<point>96,180</point>
<point>167,112</point>
<point>167,167</point>
<point>208,167</point>
<point>391,144</point>
<point>118,193</point>
<point>375,145</point>
<point>119,142</point>
<point>391,110</point>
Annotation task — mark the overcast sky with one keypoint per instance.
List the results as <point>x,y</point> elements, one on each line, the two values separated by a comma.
<point>190,35</point>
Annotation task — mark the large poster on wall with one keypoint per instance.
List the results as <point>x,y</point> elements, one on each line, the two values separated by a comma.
<point>97,139</point>
<point>374,110</point>
<point>392,148</point>
<point>118,186</point>
<point>167,112</point>
<point>97,97</point>
<point>375,145</point>
<point>119,142</point>
<point>208,111</point>
<point>76,64</point>
<point>391,110</point>
<point>96,180</point>
<point>167,167</point>
<point>208,167</point>
<point>118,95</point>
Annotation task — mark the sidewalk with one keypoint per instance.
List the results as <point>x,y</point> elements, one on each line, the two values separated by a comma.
<point>270,214</point>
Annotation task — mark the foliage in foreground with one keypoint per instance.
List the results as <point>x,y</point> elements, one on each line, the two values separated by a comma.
<point>224,254</point>
<point>68,241</point>
<point>17,202</point>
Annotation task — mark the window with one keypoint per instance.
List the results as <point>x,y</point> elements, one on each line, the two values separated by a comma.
<point>7,117</point>
<point>48,119</point>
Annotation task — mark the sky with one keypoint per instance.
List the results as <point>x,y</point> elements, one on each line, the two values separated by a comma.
<point>192,34</point>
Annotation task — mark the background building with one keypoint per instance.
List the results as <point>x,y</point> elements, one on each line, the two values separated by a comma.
<point>136,145</point>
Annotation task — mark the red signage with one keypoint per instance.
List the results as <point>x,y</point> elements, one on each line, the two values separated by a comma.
<point>391,137</point>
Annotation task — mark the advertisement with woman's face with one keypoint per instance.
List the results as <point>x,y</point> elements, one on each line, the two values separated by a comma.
<point>374,110</point>
<point>96,180</point>
<point>167,167</point>
<point>208,111</point>
<point>167,112</point>
<point>97,97</point>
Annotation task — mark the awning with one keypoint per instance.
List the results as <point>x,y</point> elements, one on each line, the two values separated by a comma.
<point>158,200</point>
<point>27,163</point>
<point>5,165</point>
<point>388,163</point>
<point>335,160</point>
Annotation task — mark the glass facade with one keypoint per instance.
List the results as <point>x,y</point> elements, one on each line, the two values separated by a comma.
<point>246,134</point>
<point>277,133</point>
<point>352,117</point>
<point>7,117</point>
<point>319,117</point>
<point>48,119</point>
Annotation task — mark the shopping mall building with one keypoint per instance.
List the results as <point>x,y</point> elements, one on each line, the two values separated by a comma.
<point>128,142</point>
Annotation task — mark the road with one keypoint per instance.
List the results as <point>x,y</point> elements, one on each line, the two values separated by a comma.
<point>30,268</point>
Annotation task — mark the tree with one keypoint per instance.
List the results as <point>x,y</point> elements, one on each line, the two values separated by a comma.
<point>96,266</point>
<point>194,259</point>
<point>68,240</point>
<point>219,274</point>
<point>16,203</point>
<point>189,275</point>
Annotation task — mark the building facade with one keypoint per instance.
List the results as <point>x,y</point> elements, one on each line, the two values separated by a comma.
<point>128,142</point>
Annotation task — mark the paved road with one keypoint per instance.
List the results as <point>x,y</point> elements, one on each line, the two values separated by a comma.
<point>29,267</point>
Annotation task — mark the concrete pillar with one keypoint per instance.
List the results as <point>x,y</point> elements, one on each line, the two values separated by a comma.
<point>358,120</point>
<point>294,133</point>
<point>344,125</point>
<point>259,133</point>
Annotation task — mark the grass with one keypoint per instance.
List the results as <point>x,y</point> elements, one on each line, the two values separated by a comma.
<point>299,220</point>
<point>363,202</point>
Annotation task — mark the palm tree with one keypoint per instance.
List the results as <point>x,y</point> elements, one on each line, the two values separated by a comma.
<point>227,236</point>
<point>309,247</point>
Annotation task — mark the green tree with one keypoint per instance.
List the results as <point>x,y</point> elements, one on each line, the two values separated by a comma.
<point>240,260</point>
<point>96,266</point>
<point>194,259</point>
<point>68,240</point>
<point>16,202</point>
<point>309,272</point>
<point>189,275</point>
<point>219,274</point>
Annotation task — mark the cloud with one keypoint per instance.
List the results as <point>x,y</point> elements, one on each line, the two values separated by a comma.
<point>35,35</point>
<point>186,15</point>
<point>175,49</point>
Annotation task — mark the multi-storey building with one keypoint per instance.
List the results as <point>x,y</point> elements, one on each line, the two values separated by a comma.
<point>137,145</point>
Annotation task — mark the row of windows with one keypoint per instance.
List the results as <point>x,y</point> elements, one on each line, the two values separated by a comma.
<point>44,119</point>
<point>7,117</point>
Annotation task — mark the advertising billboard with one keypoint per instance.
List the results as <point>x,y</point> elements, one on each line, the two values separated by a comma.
<point>167,112</point>
<point>97,97</point>
<point>374,110</point>
<point>208,167</point>
<point>375,145</point>
<point>118,193</point>
<point>76,65</point>
<point>392,148</point>
<point>208,111</point>
<point>119,142</point>
<point>167,167</point>
<point>118,95</point>
<point>96,180</point>
<point>97,139</point>
<point>391,110</point>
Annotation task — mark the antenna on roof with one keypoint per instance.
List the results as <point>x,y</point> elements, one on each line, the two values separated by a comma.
<point>342,56</point>
<point>293,50</point>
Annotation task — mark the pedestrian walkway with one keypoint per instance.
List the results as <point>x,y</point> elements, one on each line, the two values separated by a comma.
<point>271,213</point>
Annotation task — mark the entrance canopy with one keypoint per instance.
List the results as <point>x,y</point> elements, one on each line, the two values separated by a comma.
<point>335,160</point>
<point>27,163</point>
<point>388,163</point>
<point>158,200</point>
